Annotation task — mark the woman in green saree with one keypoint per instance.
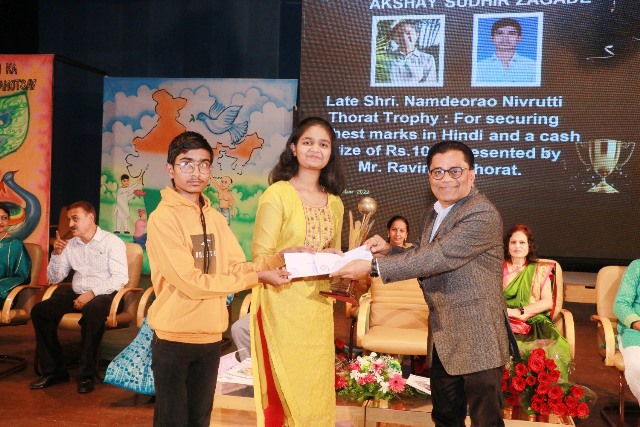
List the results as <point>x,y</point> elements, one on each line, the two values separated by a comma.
<point>15,263</point>
<point>529,290</point>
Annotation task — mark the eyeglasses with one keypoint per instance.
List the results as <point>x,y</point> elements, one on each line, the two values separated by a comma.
<point>454,172</point>
<point>189,167</point>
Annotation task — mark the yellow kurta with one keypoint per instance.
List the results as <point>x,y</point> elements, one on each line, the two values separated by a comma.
<point>297,320</point>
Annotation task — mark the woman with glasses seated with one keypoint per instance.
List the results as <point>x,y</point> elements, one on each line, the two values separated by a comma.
<point>529,290</point>
<point>15,263</point>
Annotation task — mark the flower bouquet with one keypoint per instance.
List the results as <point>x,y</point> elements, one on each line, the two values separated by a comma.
<point>535,385</point>
<point>371,377</point>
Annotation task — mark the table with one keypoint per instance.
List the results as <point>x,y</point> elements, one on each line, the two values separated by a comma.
<point>416,411</point>
<point>410,411</point>
<point>240,397</point>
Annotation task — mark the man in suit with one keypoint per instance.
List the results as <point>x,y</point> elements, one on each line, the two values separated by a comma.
<point>458,261</point>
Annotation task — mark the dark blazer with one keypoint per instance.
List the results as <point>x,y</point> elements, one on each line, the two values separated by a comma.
<point>460,273</point>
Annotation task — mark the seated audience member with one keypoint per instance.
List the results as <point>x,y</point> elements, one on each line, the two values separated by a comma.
<point>15,263</point>
<point>529,290</point>
<point>627,310</point>
<point>398,231</point>
<point>99,261</point>
<point>242,337</point>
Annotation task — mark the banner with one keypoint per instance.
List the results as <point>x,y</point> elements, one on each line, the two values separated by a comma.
<point>26,88</point>
<point>246,121</point>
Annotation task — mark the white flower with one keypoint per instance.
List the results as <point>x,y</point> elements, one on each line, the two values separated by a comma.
<point>384,387</point>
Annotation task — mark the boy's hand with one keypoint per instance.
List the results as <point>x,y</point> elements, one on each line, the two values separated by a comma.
<point>275,278</point>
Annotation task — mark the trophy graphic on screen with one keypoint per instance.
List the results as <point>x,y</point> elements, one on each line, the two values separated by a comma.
<point>342,289</point>
<point>604,156</point>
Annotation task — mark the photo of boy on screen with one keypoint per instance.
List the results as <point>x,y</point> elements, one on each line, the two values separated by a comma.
<point>507,50</point>
<point>407,51</point>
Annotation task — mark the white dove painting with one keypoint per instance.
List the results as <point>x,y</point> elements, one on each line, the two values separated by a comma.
<point>221,119</point>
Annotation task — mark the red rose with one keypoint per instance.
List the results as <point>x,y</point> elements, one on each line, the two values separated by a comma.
<point>505,374</point>
<point>518,383</point>
<point>521,369</point>
<point>556,392</point>
<point>577,392</point>
<point>341,357</point>
<point>531,380</point>
<point>572,412</point>
<point>559,409</point>
<point>582,410</point>
<point>512,400</point>
<point>555,375</point>
<point>540,398</point>
<point>570,401</point>
<point>545,409</point>
<point>543,388</point>
<point>505,386</point>
<point>536,406</point>
<point>535,364</point>
<point>544,377</point>
<point>339,343</point>
<point>551,364</point>
<point>538,353</point>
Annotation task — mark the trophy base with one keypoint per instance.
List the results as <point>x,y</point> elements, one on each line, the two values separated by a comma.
<point>602,187</point>
<point>341,296</point>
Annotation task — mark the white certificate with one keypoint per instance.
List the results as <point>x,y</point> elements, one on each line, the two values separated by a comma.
<point>304,264</point>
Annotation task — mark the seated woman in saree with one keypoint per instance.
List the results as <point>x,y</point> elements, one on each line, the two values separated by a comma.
<point>398,231</point>
<point>529,289</point>
<point>15,263</point>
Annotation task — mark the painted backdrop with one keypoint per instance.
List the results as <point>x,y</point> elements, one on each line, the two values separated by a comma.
<point>246,121</point>
<point>26,88</point>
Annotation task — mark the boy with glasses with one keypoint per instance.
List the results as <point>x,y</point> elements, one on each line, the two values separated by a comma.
<point>195,263</point>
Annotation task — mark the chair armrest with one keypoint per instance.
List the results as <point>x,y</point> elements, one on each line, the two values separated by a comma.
<point>609,338</point>
<point>141,313</point>
<point>569,331</point>
<point>112,321</point>
<point>13,295</point>
<point>246,303</point>
<point>363,320</point>
<point>54,288</point>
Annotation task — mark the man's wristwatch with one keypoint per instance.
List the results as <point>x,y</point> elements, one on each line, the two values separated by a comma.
<point>374,268</point>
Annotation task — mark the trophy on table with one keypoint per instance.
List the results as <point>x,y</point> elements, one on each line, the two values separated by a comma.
<point>604,156</point>
<point>342,289</point>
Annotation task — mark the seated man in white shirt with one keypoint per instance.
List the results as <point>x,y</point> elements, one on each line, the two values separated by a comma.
<point>99,261</point>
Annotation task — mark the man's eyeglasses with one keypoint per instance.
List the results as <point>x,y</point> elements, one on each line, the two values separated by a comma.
<point>455,172</point>
<point>189,167</point>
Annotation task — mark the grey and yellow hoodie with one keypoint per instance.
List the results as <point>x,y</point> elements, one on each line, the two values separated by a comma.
<point>190,305</point>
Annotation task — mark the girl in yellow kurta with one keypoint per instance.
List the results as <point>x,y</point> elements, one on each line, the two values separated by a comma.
<point>292,328</point>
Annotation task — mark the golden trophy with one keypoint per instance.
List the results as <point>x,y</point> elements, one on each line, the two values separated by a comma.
<point>342,289</point>
<point>604,156</point>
